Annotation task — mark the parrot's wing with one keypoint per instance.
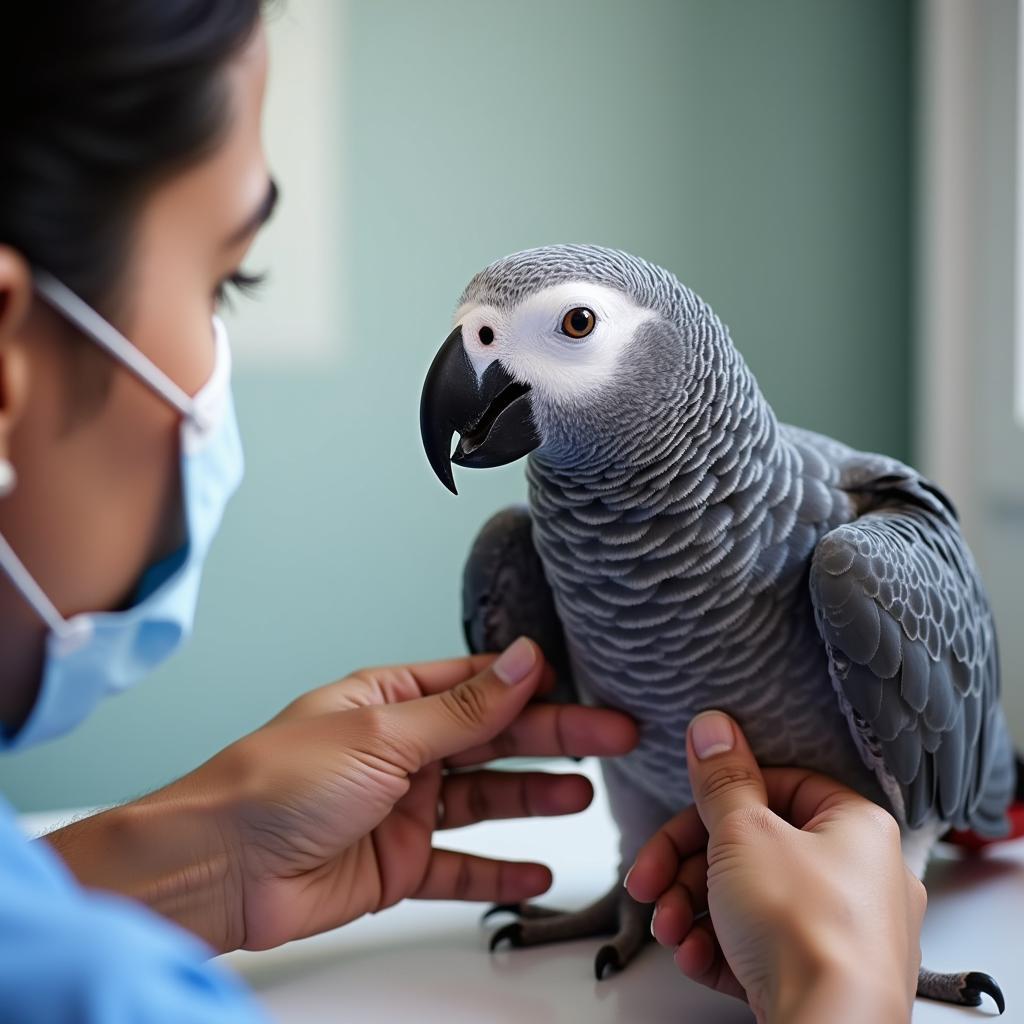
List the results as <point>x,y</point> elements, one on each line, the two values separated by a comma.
<point>912,651</point>
<point>505,594</point>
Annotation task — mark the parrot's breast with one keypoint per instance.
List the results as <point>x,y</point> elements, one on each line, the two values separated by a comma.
<point>704,605</point>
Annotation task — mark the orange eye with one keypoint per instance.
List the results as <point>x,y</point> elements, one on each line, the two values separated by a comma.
<point>578,322</point>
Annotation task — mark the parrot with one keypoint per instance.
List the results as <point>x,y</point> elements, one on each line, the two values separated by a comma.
<point>682,549</point>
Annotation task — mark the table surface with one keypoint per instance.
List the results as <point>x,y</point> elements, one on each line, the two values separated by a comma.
<point>428,962</point>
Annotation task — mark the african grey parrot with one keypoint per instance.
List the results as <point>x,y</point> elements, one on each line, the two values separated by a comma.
<point>682,549</point>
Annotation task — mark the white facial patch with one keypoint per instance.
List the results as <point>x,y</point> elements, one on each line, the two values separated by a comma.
<point>533,347</point>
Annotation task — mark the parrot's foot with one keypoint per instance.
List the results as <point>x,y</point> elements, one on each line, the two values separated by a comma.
<point>616,914</point>
<point>964,989</point>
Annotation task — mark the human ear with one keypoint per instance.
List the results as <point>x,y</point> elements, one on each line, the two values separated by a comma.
<point>15,302</point>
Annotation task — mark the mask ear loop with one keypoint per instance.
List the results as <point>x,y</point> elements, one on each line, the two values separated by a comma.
<point>30,590</point>
<point>111,340</point>
<point>83,316</point>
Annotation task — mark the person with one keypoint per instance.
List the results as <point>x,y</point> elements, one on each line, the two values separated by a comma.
<point>132,182</point>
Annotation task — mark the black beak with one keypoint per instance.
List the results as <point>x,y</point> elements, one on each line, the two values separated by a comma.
<point>494,417</point>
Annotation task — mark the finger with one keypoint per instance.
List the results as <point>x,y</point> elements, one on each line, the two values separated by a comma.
<point>394,684</point>
<point>437,676</point>
<point>369,687</point>
<point>683,902</point>
<point>695,956</point>
<point>724,775</point>
<point>658,861</point>
<point>463,876</point>
<point>804,797</point>
<point>444,673</point>
<point>700,957</point>
<point>470,713</point>
<point>556,730</point>
<point>675,914</point>
<point>673,917</point>
<point>485,796</point>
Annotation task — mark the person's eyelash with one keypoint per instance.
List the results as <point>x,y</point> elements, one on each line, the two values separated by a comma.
<point>244,283</point>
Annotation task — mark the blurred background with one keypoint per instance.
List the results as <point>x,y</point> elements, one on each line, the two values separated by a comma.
<point>836,177</point>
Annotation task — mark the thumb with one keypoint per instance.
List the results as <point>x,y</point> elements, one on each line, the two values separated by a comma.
<point>723,773</point>
<point>472,712</point>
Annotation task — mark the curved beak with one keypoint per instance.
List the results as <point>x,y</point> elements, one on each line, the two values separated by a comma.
<point>493,416</point>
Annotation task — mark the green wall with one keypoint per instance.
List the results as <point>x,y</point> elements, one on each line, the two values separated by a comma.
<point>759,149</point>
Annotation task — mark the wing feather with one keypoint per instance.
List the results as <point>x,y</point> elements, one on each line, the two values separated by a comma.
<point>912,648</point>
<point>505,594</point>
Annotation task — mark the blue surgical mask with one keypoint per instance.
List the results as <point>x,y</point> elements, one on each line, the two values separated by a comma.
<point>93,655</point>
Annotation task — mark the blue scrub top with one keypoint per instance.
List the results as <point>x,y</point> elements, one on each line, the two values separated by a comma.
<point>69,954</point>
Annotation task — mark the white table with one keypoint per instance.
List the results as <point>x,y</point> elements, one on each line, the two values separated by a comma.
<point>427,963</point>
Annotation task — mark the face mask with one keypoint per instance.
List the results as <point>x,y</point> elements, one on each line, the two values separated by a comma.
<point>93,655</point>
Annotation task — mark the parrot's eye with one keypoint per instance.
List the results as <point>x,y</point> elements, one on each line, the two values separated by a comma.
<point>578,322</point>
<point>486,335</point>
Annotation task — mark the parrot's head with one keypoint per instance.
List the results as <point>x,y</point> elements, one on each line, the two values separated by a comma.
<point>576,352</point>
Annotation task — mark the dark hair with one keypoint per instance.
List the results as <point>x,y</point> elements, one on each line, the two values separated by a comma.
<point>103,99</point>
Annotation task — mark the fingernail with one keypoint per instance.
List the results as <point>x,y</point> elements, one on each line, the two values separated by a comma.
<point>712,734</point>
<point>514,663</point>
<point>654,914</point>
<point>625,881</point>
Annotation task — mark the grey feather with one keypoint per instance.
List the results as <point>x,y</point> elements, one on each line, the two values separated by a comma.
<point>912,542</point>
<point>506,595</point>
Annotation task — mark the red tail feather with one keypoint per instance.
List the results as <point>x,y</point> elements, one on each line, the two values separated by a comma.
<point>970,840</point>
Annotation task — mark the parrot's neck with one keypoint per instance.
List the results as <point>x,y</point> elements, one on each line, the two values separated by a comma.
<point>716,442</point>
<point>696,508</point>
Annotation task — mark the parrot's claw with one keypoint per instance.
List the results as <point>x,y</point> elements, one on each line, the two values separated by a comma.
<point>977,982</point>
<point>524,911</point>
<point>500,908</point>
<point>607,956</point>
<point>511,932</point>
<point>963,989</point>
<point>615,914</point>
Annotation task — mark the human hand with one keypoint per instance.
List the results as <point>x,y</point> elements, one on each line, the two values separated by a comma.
<point>810,902</point>
<point>328,812</point>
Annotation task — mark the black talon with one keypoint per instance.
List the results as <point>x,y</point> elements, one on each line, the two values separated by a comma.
<point>501,908</point>
<point>512,932</point>
<point>607,956</point>
<point>977,982</point>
